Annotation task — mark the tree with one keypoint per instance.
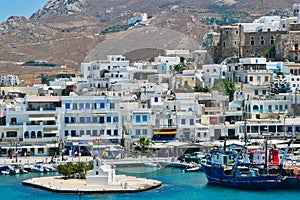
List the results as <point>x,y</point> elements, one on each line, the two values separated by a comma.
<point>144,142</point>
<point>228,87</point>
<point>66,170</point>
<point>197,88</point>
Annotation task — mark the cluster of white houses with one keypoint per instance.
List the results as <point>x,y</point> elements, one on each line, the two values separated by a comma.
<point>109,106</point>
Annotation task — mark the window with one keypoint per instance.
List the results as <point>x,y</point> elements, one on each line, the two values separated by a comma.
<point>108,132</point>
<point>116,119</point>
<point>102,105</point>
<point>95,119</point>
<point>137,132</point>
<point>270,108</point>
<point>272,40</point>
<point>296,47</point>
<point>88,119</point>
<point>101,120</point>
<point>66,120</point>
<point>182,121</point>
<point>33,134</point>
<point>108,119</point>
<point>145,118</point>
<point>75,106</point>
<point>256,92</point>
<point>81,106</point>
<point>145,131</point>
<point>155,99</point>
<point>192,122</point>
<point>137,118</point>
<point>252,42</point>
<point>81,132</point>
<point>264,92</point>
<point>280,107</point>
<point>67,106</point>
<point>262,42</point>
<point>82,119</point>
<point>88,132</point>
<point>13,120</point>
<point>73,119</point>
<point>73,133</point>
<point>87,106</point>
<point>101,132</point>
<point>266,79</point>
<point>26,134</point>
<point>11,134</point>
<point>116,132</point>
<point>224,44</point>
<point>251,78</point>
<point>112,105</point>
<point>258,78</point>
<point>95,132</point>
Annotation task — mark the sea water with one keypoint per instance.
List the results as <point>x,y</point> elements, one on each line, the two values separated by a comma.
<point>176,185</point>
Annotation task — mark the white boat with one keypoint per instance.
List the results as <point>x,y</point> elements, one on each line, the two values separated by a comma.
<point>39,169</point>
<point>6,172</point>
<point>50,169</point>
<point>151,164</point>
<point>193,169</point>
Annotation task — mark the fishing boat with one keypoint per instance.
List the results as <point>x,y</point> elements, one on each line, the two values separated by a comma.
<point>220,171</point>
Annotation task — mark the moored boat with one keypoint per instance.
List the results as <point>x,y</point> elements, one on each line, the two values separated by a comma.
<point>218,171</point>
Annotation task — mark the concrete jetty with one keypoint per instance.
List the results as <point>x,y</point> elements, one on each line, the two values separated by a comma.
<point>122,184</point>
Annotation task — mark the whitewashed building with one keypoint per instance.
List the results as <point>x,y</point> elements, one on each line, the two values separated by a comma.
<point>100,174</point>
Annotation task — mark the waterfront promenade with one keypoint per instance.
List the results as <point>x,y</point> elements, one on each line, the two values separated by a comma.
<point>46,159</point>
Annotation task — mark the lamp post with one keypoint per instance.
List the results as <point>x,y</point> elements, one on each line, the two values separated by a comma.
<point>284,126</point>
<point>16,152</point>
<point>58,150</point>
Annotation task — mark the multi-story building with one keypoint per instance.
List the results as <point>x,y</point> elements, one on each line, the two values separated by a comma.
<point>9,80</point>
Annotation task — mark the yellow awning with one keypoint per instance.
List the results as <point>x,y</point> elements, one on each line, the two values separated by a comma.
<point>166,133</point>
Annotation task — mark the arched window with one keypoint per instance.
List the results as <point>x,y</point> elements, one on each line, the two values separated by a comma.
<point>26,134</point>
<point>33,134</point>
<point>255,108</point>
<point>39,134</point>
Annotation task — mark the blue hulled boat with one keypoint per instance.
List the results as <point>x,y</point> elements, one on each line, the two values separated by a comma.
<point>219,171</point>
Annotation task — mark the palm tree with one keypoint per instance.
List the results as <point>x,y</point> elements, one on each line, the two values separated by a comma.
<point>177,69</point>
<point>144,142</point>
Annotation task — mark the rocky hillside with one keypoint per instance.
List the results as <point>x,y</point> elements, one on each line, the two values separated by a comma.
<point>65,32</point>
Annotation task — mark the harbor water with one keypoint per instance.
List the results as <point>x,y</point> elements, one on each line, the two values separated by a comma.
<point>176,185</point>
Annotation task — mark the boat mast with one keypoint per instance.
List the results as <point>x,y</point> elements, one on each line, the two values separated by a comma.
<point>266,155</point>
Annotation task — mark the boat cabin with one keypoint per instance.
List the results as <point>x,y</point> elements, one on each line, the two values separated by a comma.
<point>220,159</point>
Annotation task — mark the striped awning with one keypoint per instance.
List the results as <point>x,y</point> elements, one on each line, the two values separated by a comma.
<point>165,133</point>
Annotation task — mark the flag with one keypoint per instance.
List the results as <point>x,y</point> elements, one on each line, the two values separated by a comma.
<point>105,153</point>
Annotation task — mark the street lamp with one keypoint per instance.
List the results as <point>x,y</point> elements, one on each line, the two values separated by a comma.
<point>16,151</point>
<point>284,126</point>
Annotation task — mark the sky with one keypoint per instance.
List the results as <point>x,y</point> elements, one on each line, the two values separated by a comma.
<point>19,8</point>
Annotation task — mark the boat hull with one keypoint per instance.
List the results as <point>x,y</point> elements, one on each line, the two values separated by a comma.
<point>215,175</point>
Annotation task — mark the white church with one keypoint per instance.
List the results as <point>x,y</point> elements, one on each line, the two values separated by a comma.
<point>100,174</point>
